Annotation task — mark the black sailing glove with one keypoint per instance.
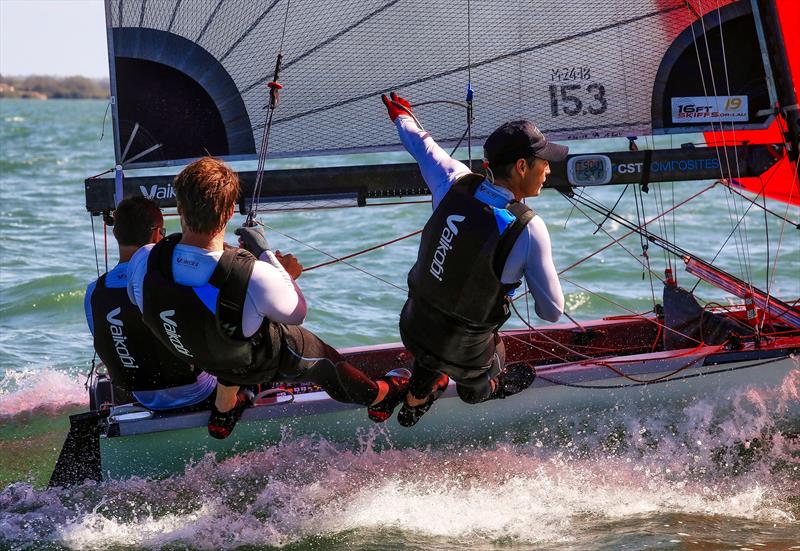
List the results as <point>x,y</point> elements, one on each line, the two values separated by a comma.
<point>252,239</point>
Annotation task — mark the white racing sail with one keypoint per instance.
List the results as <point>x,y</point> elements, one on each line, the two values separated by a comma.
<point>192,74</point>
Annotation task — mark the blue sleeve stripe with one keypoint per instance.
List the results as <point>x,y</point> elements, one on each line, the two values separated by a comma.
<point>208,295</point>
<point>504,219</point>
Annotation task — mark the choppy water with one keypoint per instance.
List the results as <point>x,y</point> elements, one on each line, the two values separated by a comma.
<point>719,475</point>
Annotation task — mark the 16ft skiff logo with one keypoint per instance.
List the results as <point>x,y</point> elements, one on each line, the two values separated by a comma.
<point>171,329</point>
<point>702,109</point>
<point>445,245</point>
<point>119,338</point>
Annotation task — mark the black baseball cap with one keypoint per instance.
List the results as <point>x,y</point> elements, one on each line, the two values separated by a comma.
<point>520,140</point>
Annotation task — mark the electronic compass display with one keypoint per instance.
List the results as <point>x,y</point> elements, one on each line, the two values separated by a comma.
<point>589,170</point>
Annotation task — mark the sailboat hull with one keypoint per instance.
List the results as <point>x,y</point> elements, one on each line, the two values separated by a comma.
<point>155,445</point>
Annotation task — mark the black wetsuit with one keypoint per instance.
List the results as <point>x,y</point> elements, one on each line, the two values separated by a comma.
<point>456,301</point>
<point>209,333</point>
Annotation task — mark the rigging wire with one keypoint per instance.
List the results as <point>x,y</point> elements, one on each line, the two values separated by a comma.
<point>631,232</point>
<point>731,233</point>
<point>763,207</point>
<point>783,225</point>
<point>631,253</point>
<point>643,241</point>
<point>313,248</point>
<point>737,204</point>
<point>363,251</point>
<point>739,251</point>
<point>274,91</point>
<point>470,92</point>
<point>94,241</point>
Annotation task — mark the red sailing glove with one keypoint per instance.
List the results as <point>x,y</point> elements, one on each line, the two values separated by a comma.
<point>395,105</point>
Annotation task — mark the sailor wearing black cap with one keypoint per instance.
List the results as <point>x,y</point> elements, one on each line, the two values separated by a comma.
<point>475,249</point>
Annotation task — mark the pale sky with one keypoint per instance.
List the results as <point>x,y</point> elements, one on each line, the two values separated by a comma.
<point>53,37</point>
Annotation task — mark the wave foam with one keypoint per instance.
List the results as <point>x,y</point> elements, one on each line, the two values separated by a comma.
<point>723,468</point>
<point>35,391</point>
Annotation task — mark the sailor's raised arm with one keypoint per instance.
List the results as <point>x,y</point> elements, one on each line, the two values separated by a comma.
<point>438,168</point>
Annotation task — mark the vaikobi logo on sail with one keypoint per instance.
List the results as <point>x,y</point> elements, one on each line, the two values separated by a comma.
<point>445,245</point>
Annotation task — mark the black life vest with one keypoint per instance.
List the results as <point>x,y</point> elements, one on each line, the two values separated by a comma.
<point>456,299</point>
<point>181,321</point>
<point>134,358</point>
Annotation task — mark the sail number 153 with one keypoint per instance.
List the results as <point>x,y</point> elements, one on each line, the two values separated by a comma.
<point>573,99</point>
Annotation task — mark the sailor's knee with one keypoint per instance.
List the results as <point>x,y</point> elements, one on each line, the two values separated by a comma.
<point>470,394</point>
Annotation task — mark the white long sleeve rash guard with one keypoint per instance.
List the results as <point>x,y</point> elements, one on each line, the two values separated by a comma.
<point>531,255</point>
<point>271,292</point>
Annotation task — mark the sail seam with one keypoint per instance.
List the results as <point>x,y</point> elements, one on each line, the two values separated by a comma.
<point>248,31</point>
<point>326,42</point>
<point>208,22</point>
<point>174,13</point>
<point>481,63</point>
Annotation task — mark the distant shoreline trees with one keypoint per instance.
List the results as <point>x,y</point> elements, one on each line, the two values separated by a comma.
<point>48,87</point>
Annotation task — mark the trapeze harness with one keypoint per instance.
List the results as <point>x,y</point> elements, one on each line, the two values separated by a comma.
<point>134,360</point>
<point>203,325</point>
<point>457,301</point>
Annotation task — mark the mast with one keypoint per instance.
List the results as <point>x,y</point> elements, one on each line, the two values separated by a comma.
<point>768,18</point>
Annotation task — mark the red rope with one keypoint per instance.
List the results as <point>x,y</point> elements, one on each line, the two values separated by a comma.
<point>608,364</point>
<point>645,318</point>
<point>357,253</point>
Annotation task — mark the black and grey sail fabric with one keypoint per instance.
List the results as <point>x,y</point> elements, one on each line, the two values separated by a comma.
<point>189,76</point>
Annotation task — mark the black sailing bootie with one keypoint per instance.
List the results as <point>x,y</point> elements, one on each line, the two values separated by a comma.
<point>409,415</point>
<point>514,378</point>
<point>397,379</point>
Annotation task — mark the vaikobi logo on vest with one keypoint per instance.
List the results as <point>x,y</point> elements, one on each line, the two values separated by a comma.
<point>704,109</point>
<point>171,328</point>
<point>445,245</point>
<point>119,338</point>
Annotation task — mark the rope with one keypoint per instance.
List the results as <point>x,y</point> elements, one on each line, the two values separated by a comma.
<point>635,314</point>
<point>274,89</point>
<point>313,248</point>
<point>609,364</point>
<point>643,241</point>
<point>739,251</point>
<point>105,243</point>
<point>654,381</point>
<point>783,225</point>
<point>363,251</point>
<point>599,227</point>
<point>601,249</point>
<point>94,241</point>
